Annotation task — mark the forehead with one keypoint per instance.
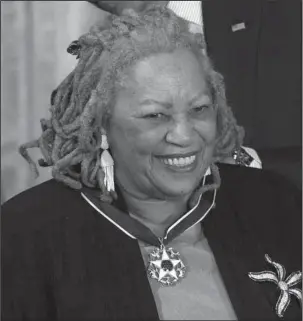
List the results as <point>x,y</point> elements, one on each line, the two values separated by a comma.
<point>176,74</point>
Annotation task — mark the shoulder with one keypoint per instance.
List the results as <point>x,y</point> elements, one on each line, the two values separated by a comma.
<point>265,200</point>
<point>265,204</point>
<point>39,206</point>
<point>249,181</point>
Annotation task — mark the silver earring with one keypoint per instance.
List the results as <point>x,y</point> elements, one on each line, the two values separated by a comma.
<point>107,164</point>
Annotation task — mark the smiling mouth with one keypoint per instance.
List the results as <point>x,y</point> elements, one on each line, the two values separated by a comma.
<point>180,161</point>
<point>177,163</point>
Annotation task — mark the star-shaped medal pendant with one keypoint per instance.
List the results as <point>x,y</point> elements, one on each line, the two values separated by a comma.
<point>165,266</point>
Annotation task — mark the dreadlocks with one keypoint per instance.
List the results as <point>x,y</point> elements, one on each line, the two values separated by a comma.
<point>81,105</point>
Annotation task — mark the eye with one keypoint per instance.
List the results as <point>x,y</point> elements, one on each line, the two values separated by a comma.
<point>154,116</point>
<point>200,109</point>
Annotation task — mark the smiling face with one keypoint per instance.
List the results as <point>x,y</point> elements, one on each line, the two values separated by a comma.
<point>163,127</point>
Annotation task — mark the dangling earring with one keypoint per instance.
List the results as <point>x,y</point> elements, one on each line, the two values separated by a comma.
<point>208,172</point>
<point>107,164</point>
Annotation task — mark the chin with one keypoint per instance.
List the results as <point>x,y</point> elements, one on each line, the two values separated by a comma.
<point>175,188</point>
<point>180,192</point>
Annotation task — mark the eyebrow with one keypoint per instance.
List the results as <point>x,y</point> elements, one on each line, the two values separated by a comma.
<point>153,101</point>
<point>200,96</point>
<point>169,105</point>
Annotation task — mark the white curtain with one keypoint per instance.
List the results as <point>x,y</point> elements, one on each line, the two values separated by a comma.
<point>34,39</point>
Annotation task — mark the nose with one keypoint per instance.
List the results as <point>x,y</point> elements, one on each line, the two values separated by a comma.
<point>181,132</point>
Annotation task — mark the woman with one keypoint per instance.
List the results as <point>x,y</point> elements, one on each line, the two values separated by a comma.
<point>148,226</point>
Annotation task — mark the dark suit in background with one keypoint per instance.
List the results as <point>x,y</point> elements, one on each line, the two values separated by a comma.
<point>262,67</point>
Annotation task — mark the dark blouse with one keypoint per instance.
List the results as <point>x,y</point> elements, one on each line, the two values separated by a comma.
<point>61,260</point>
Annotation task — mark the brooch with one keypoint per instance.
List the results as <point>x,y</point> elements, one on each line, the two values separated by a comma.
<point>241,157</point>
<point>165,266</point>
<point>286,286</point>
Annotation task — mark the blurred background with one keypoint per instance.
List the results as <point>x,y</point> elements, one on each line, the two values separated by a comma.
<point>256,45</point>
<point>34,39</point>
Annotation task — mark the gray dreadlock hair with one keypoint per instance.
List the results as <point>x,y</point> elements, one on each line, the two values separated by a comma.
<point>81,105</point>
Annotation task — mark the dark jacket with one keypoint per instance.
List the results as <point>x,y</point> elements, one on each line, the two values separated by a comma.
<point>61,260</point>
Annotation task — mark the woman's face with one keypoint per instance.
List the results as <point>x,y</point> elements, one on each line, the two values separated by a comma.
<point>163,127</point>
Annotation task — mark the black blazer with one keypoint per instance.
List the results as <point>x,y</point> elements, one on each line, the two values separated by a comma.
<point>61,260</point>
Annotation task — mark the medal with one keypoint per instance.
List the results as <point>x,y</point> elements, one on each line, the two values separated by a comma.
<point>165,266</point>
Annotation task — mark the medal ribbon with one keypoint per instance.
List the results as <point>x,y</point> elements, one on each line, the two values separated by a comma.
<point>137,230</point>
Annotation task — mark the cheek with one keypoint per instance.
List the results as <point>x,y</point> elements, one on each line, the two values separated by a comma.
<point>122,139</point>
<point>213,132</point>
<point>207,130</point>
<point>131,137</point>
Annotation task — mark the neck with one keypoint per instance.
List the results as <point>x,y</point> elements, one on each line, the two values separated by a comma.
<point>156,214</point>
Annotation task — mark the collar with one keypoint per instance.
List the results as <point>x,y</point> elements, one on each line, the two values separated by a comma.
<point>118,214</point>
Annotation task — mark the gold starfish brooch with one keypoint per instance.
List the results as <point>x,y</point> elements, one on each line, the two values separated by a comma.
<point>284,285</point>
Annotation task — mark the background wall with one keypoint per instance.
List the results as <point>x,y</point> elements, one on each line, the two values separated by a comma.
<point>34,39</point>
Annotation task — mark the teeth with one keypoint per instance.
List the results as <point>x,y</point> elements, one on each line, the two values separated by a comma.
<point>182,161</point>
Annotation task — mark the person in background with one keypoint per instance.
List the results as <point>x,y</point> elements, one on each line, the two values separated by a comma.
<point>142,219</point>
